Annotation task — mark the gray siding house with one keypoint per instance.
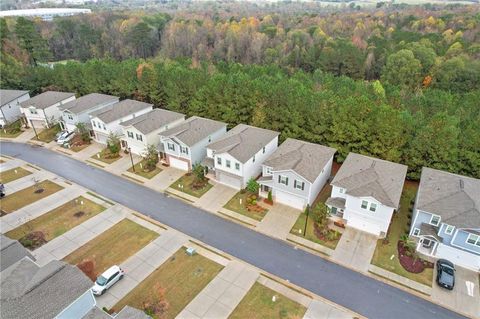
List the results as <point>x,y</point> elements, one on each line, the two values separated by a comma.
<point>10,105</point>
<point>446,217</point>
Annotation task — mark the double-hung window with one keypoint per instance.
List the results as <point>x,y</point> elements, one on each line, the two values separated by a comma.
<point>364,204</point>
<point>94,124</point>
<point>70,116</point>
<point>104,127</point>
<point>184,150</point>
<point>435,220</point>
<point>219,160</point>
<point>373,207</point>
<point>416,232</point>
<point>237,166</point>
<point>139,137</point>
<point>283,180</point>
<point>299,185</point>
<point>129,134</point>
<point>227,163</point>
<point>449,229</point>
<point>473,240</point>
<point>171,146</point>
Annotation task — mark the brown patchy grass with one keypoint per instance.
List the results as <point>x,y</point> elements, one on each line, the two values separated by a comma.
<point>10,175</point>
<point>144,173</point>
<point>187,181</point>
<point>106,156</point>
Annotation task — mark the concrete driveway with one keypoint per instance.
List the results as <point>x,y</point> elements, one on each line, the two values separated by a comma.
<point>165,178</point>
<point>216,197</point>
<point>355,249</point>
<point>465,295</point>
<point>279,220</point>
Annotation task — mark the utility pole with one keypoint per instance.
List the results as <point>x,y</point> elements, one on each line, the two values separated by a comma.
<point>34,130</point>
<point>307,211</point>
<point>131,158</point>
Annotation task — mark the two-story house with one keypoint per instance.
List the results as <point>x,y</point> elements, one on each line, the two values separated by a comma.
<point>365,193</point>
<point>296,172</point>
<point>107,120</point>
<point>446,217</point>
<point>10,105</point>
<point>79,110</point>
<point>238,155</point>
<point>185,144</point>
<point>143,130</point>
<point>43,110</point>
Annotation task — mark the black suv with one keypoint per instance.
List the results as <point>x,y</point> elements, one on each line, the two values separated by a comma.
<point>445,274</point>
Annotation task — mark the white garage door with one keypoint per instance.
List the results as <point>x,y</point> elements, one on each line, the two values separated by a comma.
<point>363,224</point>
<point>101,138</point>
<point>289,199</point>
<point>175,162</point>
<point>38,124</point>
<point>229,180</point>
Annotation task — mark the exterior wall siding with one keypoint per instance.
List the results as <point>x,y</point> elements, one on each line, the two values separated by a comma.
<point>460,241</point>
<point>354,213</point>
<point>11,110</point>
<point>292,176</point>
<point>320,182</point>
<point>253,169</point>
<point>418,219</point>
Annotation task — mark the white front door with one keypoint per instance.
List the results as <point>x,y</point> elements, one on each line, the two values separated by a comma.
<point>289,199</point>
<point>175,162</point>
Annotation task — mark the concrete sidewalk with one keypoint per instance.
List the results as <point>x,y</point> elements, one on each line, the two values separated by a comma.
<point>279,220</point>
<point>27,181</point>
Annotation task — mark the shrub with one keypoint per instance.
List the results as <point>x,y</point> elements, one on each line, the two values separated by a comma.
<point>33,240</point>
<point>270,196</point>
<point>113,144</point>
<point>252,186</point>
<point>199,172</point>
<point>151,157</point>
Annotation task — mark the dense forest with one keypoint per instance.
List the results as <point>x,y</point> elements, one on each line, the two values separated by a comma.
<point>402,84</point>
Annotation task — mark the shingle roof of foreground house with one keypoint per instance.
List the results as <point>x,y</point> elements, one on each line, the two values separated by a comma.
<point>120,109</point>
<point>361,176</point>
<point>243,141</point>
<point>7,96</point>
<point>46,99</point>
<point>86,102</point>
<point>126,313</point>
<point>193,130</point>
<point>455,198</point>
<point>11,252</point>
<point>153,120</point>
<point>304,158</point>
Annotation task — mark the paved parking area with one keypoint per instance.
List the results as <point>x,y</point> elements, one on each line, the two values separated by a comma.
<point>355,249</point>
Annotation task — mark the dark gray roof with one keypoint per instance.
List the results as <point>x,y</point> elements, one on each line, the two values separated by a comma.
<point>429,230</point>
<point>153,120</point>
<point>30,291</point>
<point>131,313</point>
<point>87,102</point>
<point>305,159</point>
<point>363,176</point>
<point>7,96</point>
<point>243,141</point>
<point>193,130</point>
<point>46,99</point>
<point>11,252</point>
<point>337,202</point>
<point>455,198</point>
<point>120,110</point>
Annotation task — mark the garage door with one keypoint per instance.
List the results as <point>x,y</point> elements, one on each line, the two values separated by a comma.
<point>229,180</point>
<point>101,138</point>
<point>363,224</point>
<point>175,162</point>
<point>289,199</point>
<point>38,124</point>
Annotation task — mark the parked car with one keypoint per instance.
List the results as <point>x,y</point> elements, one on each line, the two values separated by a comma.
<point>107,280</point>
<point>445,274</point>
<point>60,134</point>
<point>65,138</point>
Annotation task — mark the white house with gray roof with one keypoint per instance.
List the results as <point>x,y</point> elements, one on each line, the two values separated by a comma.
<point>108,119</point>
<point>10,105</point>
<point>239,154</point>
<point>185,144</point>
<point>365,193</point>
<point>43,110</point>
<point>296,172</point>
<point>142,131</point>
<point>79,110</point>
<point>446,217</point>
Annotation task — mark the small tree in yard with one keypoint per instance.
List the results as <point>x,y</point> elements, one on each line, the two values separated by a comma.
<point>151,157</point>
<point>199,173</point>
<point>320,215</point>
<point>83,132</point>
<point>113,143</point>
<point>252,186</point>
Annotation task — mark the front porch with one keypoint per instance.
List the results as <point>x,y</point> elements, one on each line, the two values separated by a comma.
<point>266,183</point>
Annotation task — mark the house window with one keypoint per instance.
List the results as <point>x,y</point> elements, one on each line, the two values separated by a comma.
<point>416,232</point>
<point>33,111</point>
<point>373,207</point>
<point>171,147</point>
<point>435,220</point>
<point>129,134</point>
<point>283,179</point>
<point>299,185</point>
<point>209,139</point>
<point>227,163</point>
<point>264,150</point>
<point>449,229</point>
<point>473,240</point>
<point>341,190</point>
<point>253,160</point>
<point>104,127</point>
<point>139,137</point>
<point>184,149</point>
<point>70,116</point>
<point>219,160</point>
<point>94,124</point>
<point>364,204</point>
<point>237,166</point>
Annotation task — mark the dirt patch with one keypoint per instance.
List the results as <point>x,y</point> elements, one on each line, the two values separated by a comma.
<point>33,240</point>
<point>39,191</point>
<point>79,214</point>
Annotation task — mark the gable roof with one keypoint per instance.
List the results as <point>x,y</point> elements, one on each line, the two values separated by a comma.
<point>87,102</point>
<point>153,120</point>
<point>11,252</point>
<point>120,109</point>
<point>363,176</point>
<point>193,130</point>
<point>30,291</point>
<point>243,141</point>
<point>304,158</point>
<point>46,99</point>
<point>455,198</point>
<point>7,96</point>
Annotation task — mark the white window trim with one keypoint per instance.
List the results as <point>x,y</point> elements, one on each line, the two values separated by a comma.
<point>416,232</point>
<point>447,227</point>
<point>283,180</point>
<point>237,166</point>
<point>361,204</point>
<point>431,218</point>
<point>299,185</point>
<point>219,161</point>
<point>172,148</point>
<point>341,190</point>
<point>477,241</point>
<point>228,163</point>
<point>370,208</point>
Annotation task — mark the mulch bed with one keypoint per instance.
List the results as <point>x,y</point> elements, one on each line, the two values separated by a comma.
<point>410,263</point>
<point>318,232</point>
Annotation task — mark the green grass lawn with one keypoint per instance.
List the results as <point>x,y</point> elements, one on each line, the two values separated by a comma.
<point>106,156</point>
<point>181,278</point>
<point>113,246</point>
<point>13,174</point>
<point>235,206</point>
<point>258,303</point>
<point>59,220</point>
<point>187,181</point>
<point>146,174</point>
<point>47,135</point>
<point>398,226</point>
<point>310,233</point>
<point>27,196</point>
<point>8,134</point>
<point>12,130</point>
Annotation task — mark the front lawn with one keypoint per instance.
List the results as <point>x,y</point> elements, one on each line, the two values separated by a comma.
<point>241,204</point>
<point>172,286</point>
<point>47,135</point>
<point>77,144</point>
<point>12,130</point>
<point>387,248</point>
<point>258,303</point>
<point>113,246</point>
<point>27,196</point>
<point>106,156</point>
<point>13,174</point>
<point>56,222</point>
<point>141,171</point>
<point>299,227</point>
<point>186,184</point>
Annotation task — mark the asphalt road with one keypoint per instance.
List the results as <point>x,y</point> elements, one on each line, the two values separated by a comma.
<point>343,286</point>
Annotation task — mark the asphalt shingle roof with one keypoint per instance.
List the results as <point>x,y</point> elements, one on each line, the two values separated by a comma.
<point>362,176</point>
<point>7,96</point>
<point>153,120</point>
<point>193,130</point>
<point>304,158</point>
<point>120,110</point>
<point>455,198</point>
<point>11,252</point>
<point>46,99</point>
<point>131,313</point>
<point>243,141</point>
<point>87,102</point>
